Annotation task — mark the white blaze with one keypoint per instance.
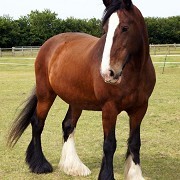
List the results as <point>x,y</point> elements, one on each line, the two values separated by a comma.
<point>113,23</point>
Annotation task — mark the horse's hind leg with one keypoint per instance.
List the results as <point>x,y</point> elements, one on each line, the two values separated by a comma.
<point>70,162</point>
<point>132,167</point>
<point>34,155</point>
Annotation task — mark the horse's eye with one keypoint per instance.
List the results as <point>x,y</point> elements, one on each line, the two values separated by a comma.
<point>124,28</point>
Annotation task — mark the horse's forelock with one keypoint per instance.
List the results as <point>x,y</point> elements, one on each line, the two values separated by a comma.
<point>114,6</point>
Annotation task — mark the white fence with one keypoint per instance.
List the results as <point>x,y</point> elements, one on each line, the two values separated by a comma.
<point>165,49</point>
<point>20,51</point>
<point>31,51</point>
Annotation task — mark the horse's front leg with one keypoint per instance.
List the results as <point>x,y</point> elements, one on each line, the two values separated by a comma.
<point>132,167</point>
<point>70,162</point>
<point>109,116</point>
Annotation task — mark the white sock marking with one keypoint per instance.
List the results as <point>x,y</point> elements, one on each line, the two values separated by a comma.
<point>70,162</point>
<point>113,23</point>
<point>132,171</point>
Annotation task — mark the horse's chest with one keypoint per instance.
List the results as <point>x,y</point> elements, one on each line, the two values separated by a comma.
<point>128,98</point>
<point>135,98</point>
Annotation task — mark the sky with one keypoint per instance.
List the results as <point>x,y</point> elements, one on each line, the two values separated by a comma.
<point>85,9</point>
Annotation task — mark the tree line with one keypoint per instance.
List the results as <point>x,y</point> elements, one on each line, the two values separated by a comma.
<point>35,28</point>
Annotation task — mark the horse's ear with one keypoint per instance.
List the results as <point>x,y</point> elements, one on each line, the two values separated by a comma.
<point>127,4</point>
<point>107,2</point>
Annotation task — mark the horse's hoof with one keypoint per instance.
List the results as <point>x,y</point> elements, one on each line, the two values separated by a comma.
<point>42,168</point>
<point>36,161</point>
<point>78,169</point>
<point>70,162</point>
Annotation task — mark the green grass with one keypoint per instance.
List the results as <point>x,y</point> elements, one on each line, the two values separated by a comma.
<point>168,58</point>
<point>160,151</point>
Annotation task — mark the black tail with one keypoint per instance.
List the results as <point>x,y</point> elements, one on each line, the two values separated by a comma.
<point>23,120</point>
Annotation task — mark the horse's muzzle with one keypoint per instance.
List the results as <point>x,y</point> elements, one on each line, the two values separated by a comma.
<point>111,77</point>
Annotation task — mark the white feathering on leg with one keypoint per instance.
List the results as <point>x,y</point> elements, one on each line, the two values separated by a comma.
<point>132,171</point>
<point>70,162</point>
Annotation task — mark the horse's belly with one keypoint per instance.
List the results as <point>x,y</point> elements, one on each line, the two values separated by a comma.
<point>77,97</point>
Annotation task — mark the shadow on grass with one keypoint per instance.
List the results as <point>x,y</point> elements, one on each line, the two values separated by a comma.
<point>154,167</point>
<point>160,167</point>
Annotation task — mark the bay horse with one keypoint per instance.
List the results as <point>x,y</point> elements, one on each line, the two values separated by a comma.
<point>111,74</point>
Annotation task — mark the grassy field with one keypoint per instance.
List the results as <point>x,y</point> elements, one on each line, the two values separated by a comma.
<point>160,152</point>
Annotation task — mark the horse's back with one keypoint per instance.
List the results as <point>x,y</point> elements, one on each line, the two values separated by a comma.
<point>52,44</point>
<point>67,64</point>
<point>69,46</point>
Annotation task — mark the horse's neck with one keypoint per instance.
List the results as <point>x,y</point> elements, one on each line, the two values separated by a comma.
<point>98,48</point>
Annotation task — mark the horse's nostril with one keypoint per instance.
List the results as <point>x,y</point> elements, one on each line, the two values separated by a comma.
<point>111,73</point>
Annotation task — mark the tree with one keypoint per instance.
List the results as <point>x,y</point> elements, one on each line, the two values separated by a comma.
<point>24,38</point>
<point>163,30</point>
<point>94,26</point>
<point>42,26</point>
<point>35,28</point>
<point>91,26</point>
<point>9,31</point>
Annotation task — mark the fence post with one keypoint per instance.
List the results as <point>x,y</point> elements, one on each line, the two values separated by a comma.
<point>31,51</point>
<point>154,49</point>
<point>13,51</point>
<point>22,51</point>
<point>168,48</point>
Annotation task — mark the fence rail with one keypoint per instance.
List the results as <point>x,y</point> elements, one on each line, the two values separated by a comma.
<point>165,49</point>
<point>31,51</point>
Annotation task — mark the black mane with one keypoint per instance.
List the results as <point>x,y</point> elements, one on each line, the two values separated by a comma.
<point>114,6</point>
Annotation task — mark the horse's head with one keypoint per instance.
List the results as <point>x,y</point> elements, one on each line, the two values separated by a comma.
<point>124,31</point>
